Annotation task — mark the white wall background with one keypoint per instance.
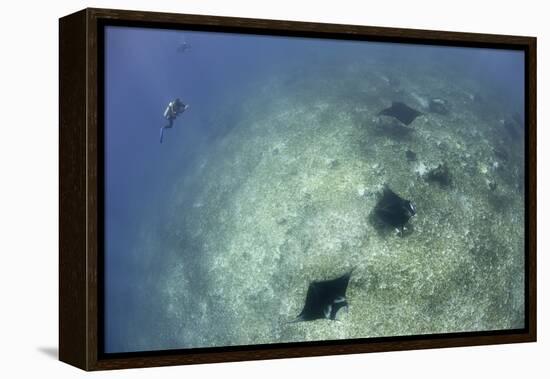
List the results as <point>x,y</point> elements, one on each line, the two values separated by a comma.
<point>28,186</point>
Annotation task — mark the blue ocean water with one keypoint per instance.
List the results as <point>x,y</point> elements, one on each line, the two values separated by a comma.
<point>218,76</point>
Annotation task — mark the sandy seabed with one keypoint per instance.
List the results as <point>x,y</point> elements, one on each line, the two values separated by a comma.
<point>285,197</point>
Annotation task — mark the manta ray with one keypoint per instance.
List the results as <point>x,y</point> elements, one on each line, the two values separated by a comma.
<point>401,111</point>
<point>394,210</point>
<point>325,298</point>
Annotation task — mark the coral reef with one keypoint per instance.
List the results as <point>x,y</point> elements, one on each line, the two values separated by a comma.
<point>285,197</point>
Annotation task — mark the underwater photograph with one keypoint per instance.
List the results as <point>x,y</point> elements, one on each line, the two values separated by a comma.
<point>263,189</point>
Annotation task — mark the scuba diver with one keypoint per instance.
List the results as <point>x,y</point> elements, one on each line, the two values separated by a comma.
<point>183,47</point>
<point>173,110</point>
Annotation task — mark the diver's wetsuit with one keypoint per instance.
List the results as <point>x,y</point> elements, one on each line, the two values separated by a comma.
<point>173,110</point>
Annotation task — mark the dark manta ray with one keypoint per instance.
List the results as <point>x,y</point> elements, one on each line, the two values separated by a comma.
<point>325,298</point>
<point>393,210</point>
<point>401,111</point>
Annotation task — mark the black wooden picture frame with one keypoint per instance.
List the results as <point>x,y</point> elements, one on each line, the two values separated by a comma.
<point>81,180</point>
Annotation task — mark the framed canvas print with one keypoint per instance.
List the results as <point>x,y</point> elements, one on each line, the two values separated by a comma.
<point>235,189</point>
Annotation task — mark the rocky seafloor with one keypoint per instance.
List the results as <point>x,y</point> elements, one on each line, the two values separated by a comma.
<point>286,196</point>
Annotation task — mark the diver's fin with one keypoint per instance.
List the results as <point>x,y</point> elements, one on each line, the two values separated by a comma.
<point>161,134</point>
